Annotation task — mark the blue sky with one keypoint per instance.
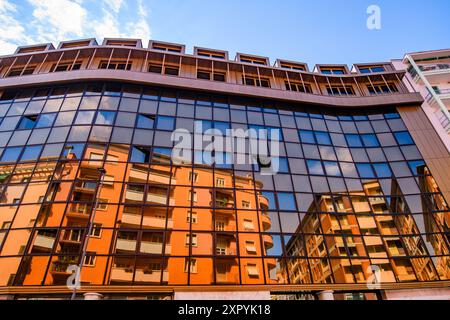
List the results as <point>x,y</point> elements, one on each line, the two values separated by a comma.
<point>313,31</point>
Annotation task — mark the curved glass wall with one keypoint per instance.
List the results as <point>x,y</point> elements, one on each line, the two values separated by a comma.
<point>352,193</point>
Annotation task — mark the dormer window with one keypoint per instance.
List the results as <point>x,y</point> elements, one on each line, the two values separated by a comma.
<point>296,67</point>
<point>371,69</point>
<point>210,54</point>
<point>332,71</point>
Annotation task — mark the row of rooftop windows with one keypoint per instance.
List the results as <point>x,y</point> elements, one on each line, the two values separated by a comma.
<point>205,52</point>
<point>373,88</point>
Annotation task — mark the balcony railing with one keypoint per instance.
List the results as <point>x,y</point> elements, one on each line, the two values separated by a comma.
<point>433,67</point>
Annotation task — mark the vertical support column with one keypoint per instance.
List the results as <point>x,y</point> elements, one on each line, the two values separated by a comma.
<point>92,59</point>
<point>26,65</point>
<point>75,60</point>
<point>42,63</point>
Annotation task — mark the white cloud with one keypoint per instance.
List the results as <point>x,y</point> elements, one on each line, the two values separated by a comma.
<point>115,5</point>
<point>141,28</point>
<point>59,19</point>
<point>12,32</point>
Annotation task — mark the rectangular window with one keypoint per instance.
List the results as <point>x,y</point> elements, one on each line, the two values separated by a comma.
<point>46,120</point>
<point>90,259</point>
<point>66,66</point>
<point>165,123</point>
<point>403,138</point>
<point>220,182</point>
<point>208,75</point>
<point>85,117</point>
<point>332,168</point>
<point>190,265</point>
<point>11,154</point>
<point>338,90</point>
<point>140,154</point>
<point>245,204</point>
<point>250,246</point>
<point>193,176</point>
<point>256,82</point>
<point>105,117</point>
<point>192,196</point>
<point>332,71</point>
<point>299,87</point>
<point>191,239</point>
<point>314,167</point>
<point>381,88</point>
<point>370,140</point>
<point>145,121</point>
<point>31,153</point>
<point>353,140</point>
<point>14,72</point>
<point>252,270</point>
<point>365,170</point>
<point>191,217</point>
<point>28,122</point>
<point>248,224</point>
<point>96,230</point>
<point>167,70</point>
<point>371,69</point>
<point>116,65</point>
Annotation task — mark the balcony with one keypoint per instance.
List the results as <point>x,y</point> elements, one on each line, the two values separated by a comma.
<point>435,73</point>
<point>154,248</point>
<point>45,242</point>
<point>126,245</point>
<point>266,221</point>
<point>134,195</point>
<point>377,200</point>
<point>121,274</point>
<point>148,221</point>
<point>152,198</point>
<point>222,205</point>
<point>151,276</point>
<point>263,201</point>
<point>155,198</point>
<point>268,241</point>
<point>79,210</point>
<point>85,186</point>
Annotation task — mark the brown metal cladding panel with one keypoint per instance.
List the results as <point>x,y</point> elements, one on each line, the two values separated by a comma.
<point>430,145</point>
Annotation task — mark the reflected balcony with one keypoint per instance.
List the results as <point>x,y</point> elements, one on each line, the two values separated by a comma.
<point>44,242</point>
<point>79,210</point>
<point>154,248</point>
<point>263,201</point>
<point>223,205</point>
<point>268,241</point>
<point>122,274</point>
<point>88,187</point>
<point>151,276</point>
<point>147,222</point>
<point>266,221</point>
<point>126,245</point>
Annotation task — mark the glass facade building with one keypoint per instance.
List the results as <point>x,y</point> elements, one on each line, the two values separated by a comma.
<point>353,197</point>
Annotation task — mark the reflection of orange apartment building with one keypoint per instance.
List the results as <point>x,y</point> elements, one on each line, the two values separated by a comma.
<point>354,234</point>
<point>361,180</point>
<point>151,185</point>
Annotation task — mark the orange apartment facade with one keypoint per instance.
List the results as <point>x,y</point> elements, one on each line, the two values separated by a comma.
<point>358,186</point>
